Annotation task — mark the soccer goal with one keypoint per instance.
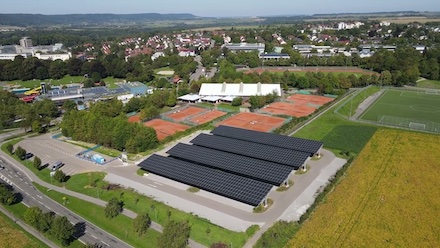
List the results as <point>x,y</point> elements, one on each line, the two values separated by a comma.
<point>432,92</point>
<point>417,126</point>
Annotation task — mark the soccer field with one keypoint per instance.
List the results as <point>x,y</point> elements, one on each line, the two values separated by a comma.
<point>412,109</point>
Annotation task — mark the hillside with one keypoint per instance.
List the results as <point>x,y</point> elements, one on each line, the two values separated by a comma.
<point>27,20</point>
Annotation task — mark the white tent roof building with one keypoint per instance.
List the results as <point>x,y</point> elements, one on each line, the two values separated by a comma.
<point>241,89</point>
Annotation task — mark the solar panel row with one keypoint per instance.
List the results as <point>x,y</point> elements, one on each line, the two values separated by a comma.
<point>226,184</point>
<point>260,151</point>
<point>261,170</point>
<point>304,145</point>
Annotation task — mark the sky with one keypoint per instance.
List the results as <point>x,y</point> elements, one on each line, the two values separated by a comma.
<point>217,8</point>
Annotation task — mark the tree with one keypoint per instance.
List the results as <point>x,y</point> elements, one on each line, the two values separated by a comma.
<point>237,101</point>
<point>89,83</point>
<point>9,148</point>
<point>141,223</point>
<point>62,230</point>
<point>113,208</point>
<point>257,101</point>
<point>60,176</point>
<point>37,126</point>
<point>69,105</point>
<point>6,195</point>
<point>31,215</point>
<point>37,162</point>
<point>20,153</point>
<point>171,100</point>
<point>44,222</point>
<point>149,112</point>
<point>175,235</point>
<point>96,77</point>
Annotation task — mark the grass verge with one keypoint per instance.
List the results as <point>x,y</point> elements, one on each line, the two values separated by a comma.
<point>92,184</point>
<point>283,188</point>
<point>95,214</point>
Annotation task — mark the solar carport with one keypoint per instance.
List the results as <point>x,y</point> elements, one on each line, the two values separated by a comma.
<point>234,163</point>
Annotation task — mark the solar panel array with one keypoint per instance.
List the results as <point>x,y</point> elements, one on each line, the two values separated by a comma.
<point>304,145</point>
<point>226,184</point>
<point>255,150</point>
<point>261,170</point>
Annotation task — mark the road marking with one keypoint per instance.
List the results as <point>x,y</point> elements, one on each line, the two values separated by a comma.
<point>33,198</point>
<point>48,207</point>
<point>27,193</point>
<point>105,243</point>
<point>39,196</point>
<point>158,183</point>
<point>40,203</point>
<point>25,204</point>
<point>93,236</point>
<point>154,186</point>
<point>9,176</point>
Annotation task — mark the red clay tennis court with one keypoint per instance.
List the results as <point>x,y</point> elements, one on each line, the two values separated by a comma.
<point>207,117</point>
<point>254,121</point>
<point>318,100</point>
<point>134,118</point>
<point>165,128</point>
<point>284,108</point>
<point>181,114</point>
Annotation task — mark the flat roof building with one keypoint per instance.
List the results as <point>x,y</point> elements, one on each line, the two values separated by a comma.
<point>245,47</point>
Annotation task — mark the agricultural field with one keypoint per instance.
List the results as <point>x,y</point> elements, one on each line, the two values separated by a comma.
<point>431,84</point>
<point>388,197</point>
<point>417,105</point>
<point>13,236</point>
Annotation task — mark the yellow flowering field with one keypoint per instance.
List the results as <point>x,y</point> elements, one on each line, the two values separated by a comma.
<point>390,197</point>
<point>11,237</point>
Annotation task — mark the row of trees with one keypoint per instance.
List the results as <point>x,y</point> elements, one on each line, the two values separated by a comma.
<point>259,101</point>
<point>107,125</point>
<point>59,227</point>
<point>140,68</point>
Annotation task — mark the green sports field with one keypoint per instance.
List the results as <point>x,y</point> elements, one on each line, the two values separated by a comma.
<point>416,109</point>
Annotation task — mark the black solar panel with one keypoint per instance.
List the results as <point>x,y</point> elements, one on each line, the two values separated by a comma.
<point>254,150</point>
<point>229,185</point>
<point>304,145</point>
<point>257,169</point>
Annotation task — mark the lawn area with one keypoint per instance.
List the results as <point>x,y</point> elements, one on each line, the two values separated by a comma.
<point>228,107</point>
<point>103,150</point>
<point>13,236</point>
<point>388,192</point>
<point>337,133</point>
<point>167,68</point>
<point>120,226</point>
<point>65,80</point>
<point>415,105</point>
<point>432,84</point>
<point>349,107</point>
<point>92,184</point>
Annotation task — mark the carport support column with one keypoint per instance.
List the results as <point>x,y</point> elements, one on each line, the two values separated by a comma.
<point>286,183</point>
<point>265,202</point>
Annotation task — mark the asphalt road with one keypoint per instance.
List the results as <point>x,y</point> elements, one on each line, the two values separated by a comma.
<point>86,232</point>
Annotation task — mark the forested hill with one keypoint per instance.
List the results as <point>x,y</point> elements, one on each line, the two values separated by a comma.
<point>26,20</point>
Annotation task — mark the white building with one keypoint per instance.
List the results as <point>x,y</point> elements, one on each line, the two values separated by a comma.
<point>238,90</point>
<point>53,56</point>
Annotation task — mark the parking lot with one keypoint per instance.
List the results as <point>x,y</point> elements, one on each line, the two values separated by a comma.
<point>51,150</point>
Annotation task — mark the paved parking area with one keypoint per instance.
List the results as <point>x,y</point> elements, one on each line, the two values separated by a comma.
<point>51,150</point>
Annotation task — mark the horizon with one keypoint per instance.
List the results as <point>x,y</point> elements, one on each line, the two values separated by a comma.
<point>226,8</point>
